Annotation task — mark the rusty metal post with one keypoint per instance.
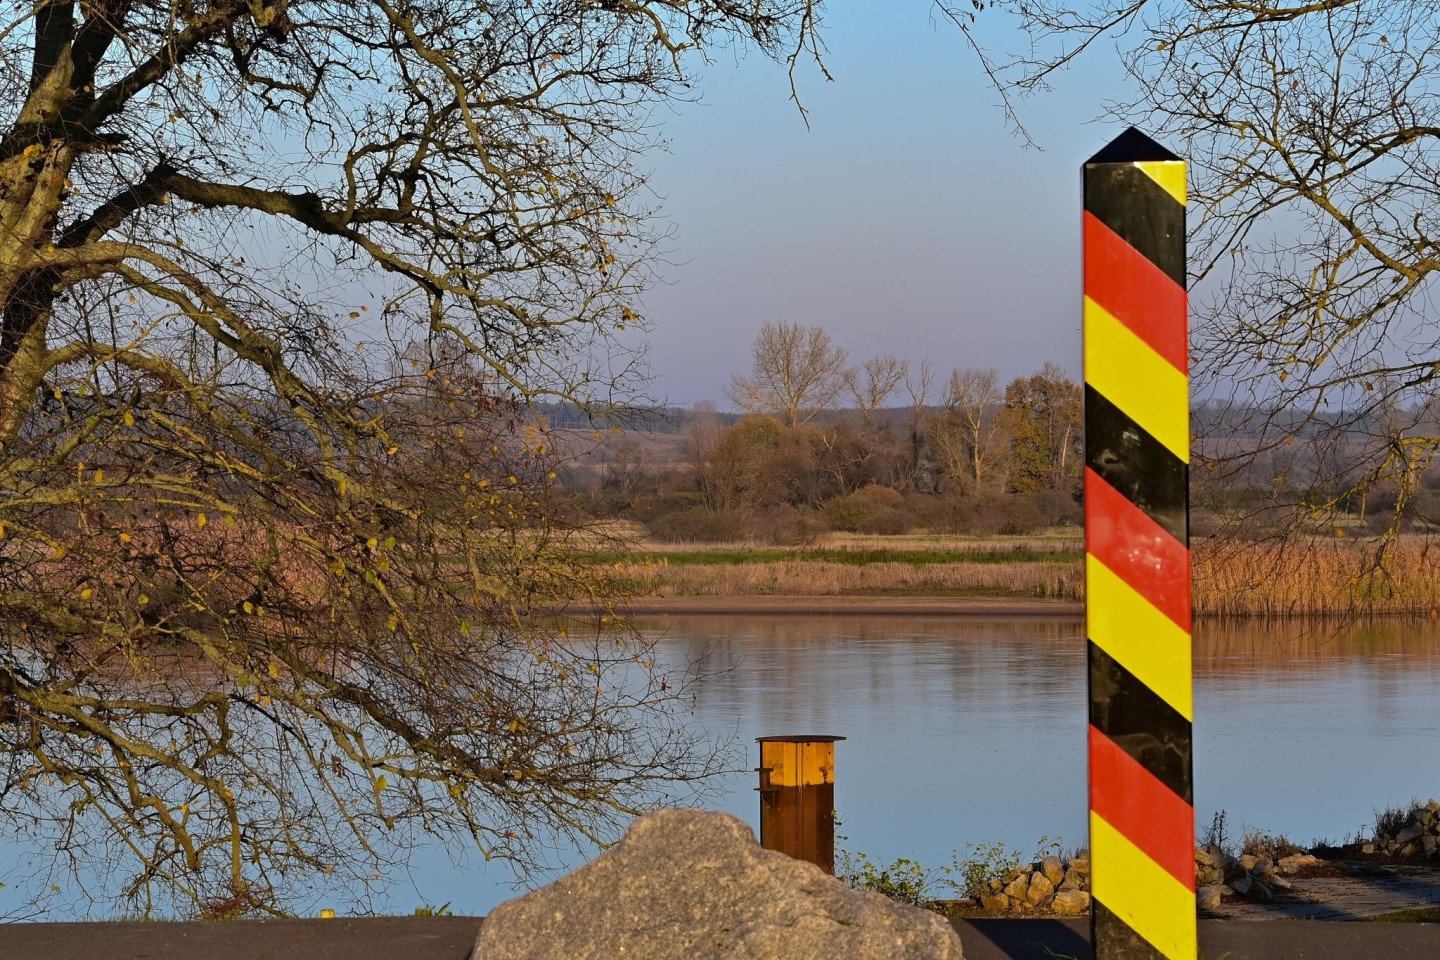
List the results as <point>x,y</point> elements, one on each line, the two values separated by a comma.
<point>797,797</point>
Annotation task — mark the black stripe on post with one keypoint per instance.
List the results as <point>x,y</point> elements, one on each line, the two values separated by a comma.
<point>1139,210</point>
<point>1137,465</point>
<point>1140,723</point>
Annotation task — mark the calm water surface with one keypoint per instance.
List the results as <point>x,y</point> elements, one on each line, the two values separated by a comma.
<point>973,730</point>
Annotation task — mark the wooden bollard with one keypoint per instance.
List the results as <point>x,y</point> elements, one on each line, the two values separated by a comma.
<point>797,797</point>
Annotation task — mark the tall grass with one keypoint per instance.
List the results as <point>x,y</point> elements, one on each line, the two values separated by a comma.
<point>1232,578</point>
<point>1316,578</point>
<point>823,578</point>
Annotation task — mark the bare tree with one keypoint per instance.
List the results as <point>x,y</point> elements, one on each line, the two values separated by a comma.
<point>795,372</point>
<point>876,381</point>
<point>263,592</point>
<point>972,404</point>
<point>1313,135</point>
<point>918,389</point>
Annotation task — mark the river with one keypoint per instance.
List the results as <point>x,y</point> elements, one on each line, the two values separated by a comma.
<point>967,730</point>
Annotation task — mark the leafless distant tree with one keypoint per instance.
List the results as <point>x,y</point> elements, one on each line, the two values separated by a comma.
<point>919,386</point>
<point>876,381</point>
<point>971,430</point>
<point>795,372</point>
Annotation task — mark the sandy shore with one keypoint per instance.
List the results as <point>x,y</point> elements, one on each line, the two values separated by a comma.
<point>856,606</point>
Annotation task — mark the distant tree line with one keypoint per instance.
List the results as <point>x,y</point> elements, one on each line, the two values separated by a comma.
<point>884,446</point>
<point>823,444</point>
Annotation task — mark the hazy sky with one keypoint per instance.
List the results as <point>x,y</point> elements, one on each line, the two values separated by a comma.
<point>907,219</point>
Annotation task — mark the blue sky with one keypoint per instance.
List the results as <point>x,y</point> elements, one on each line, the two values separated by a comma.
<point>907,219</point>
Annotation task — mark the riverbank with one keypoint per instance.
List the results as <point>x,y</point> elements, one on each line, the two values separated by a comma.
<point>841,605</point>
<point>1314,577</point>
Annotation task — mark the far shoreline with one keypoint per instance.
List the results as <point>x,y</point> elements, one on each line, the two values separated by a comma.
<point>811,606</point>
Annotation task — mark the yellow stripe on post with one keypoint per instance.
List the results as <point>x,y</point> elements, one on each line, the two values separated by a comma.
<point>1170,174</point>
<point>1145,641</point>
<point>1139,891</point>
<point>1137,379</point>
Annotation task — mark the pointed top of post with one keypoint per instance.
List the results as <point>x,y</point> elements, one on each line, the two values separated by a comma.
<point>1132,146</point>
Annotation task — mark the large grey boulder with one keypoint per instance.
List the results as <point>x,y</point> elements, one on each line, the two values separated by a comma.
<point>691,885</point>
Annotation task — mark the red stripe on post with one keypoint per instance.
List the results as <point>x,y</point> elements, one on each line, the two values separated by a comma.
<point>1148,813</point>
<point>1137,549</point>
<point>1136,292</point>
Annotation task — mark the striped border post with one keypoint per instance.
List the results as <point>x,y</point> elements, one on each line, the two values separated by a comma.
<point>1137,554</point>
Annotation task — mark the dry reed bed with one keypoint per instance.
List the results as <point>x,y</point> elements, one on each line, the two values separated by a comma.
<point>819,578</point>
<point>1313,578</point>
<point>1316,578</point>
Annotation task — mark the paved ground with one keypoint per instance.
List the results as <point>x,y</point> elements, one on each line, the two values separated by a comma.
<point>449,938</point>
<point>1345,889</point>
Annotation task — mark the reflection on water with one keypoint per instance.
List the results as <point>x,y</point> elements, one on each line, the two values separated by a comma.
<point>963,731</point>
<point>973,730</point>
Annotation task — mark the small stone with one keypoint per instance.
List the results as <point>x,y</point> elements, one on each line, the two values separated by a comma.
<point>1017,889</point>
<point>1263,869</point>
<point>1434,805</point>
<point>1242,885</point>
<point>1074,880</point>
<point>1297,861</point>
<point>1423,816</point>
<point>1409,850</point>
<point>1248,861</point>
<point>1259,891</point>
<point>994,902</point>
<point>1080,865</point>
<point>1411,832</point>
<point>1204,857</point>
<point>1427,843</point>
<point>1054,870</point>
<point>1279,882</point>
<point>1071,902</point>
<point>1040,888</point>
<point>1367,848</point>
<point>1208,897</point>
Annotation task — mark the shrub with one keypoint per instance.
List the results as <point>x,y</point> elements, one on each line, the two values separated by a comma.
<point>985,862</point>
<point>1268,846</point>
<point>1392,820</point>
<point>698,525</point>
<point>871,509</point>
<point>906,881</point>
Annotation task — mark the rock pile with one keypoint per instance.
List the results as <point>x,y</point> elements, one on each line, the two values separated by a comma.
<point>1051,885</point>
<point>1418,837</point>
<point>1063,887</point>
<point>1254,878</point>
